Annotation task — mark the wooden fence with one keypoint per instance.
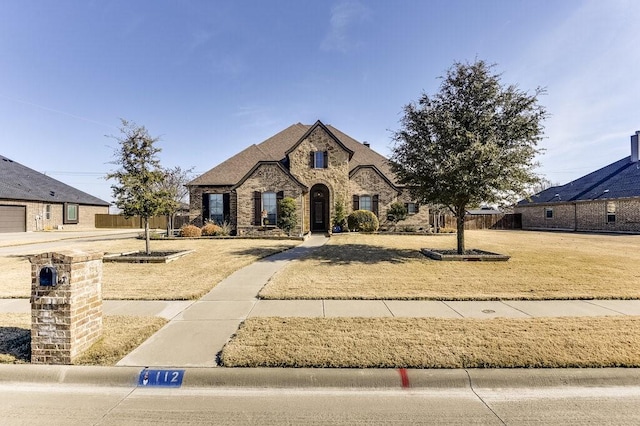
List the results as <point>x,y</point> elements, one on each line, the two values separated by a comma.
<point>487,221</point>
<point>136,222</point>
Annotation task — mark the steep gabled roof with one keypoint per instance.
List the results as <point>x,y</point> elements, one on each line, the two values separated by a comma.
<point>277,164</point>
<point>617,180</point>
<point>375,169</point>
<point>328,131</point>
<point>231,171</point>
<point>18,182</point>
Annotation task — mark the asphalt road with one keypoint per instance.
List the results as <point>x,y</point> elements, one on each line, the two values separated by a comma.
<point>34,404</point>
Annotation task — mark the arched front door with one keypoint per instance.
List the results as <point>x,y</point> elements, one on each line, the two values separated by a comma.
<point>319,207</point>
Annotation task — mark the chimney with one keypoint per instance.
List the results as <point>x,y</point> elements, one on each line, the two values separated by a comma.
<point>368,145</point>
<point>635,146</point>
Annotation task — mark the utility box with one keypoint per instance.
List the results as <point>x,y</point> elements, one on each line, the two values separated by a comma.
<point>66,305</point>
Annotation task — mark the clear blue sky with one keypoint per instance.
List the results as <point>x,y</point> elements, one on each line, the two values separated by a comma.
<point>212,77</point>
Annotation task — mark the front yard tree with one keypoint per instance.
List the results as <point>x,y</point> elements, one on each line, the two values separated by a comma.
<point>472,142</point>
<point>174,182</point>
<point>138,190</point>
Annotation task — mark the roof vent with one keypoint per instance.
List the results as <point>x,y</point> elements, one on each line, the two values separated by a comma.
<point>52,193</point>
<point>635,148</point>
<point>368,145</point>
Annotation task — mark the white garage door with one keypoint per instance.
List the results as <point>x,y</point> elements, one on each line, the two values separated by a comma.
<point>13,218</point>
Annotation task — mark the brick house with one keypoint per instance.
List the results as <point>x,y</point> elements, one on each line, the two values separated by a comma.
<point>607,200</point>
<point>32,201</point>
<point>316,165</point>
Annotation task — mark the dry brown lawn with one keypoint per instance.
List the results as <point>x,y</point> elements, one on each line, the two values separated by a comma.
<point>435,343</point>
<point>186,278</point>
<point>543,265</point>
<point>121,334</point>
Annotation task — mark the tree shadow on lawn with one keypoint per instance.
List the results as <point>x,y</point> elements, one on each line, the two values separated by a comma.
<point>345,254</point>
<point>15,342</point>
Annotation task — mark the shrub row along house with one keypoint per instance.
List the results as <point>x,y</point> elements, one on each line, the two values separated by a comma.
<point>32,201</point>
<point>316,165</point>
<point>606,200</point>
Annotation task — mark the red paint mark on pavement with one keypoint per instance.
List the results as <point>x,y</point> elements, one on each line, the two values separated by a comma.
<point>405,377</point>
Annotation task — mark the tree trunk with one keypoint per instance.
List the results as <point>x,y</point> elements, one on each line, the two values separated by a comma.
<point>460,225</point>
<point>147,238</point>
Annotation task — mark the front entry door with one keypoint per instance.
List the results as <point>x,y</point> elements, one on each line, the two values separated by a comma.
<point>319,208</point>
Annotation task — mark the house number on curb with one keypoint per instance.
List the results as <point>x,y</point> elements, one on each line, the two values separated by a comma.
<point>162,378</point>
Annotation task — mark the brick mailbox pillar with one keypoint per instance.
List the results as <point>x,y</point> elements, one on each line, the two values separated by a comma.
<point>66,305</point>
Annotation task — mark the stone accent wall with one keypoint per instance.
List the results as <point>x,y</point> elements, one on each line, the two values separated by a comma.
<point>367,181</point>
<point>266,178</point>
<point>65,318</point>
<point>583,216</point>
<point>37,221</point>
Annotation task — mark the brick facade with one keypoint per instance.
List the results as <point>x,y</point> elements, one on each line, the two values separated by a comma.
<point>66,316</point>
<point>615,215</point>
<point>37,219</point>
<point>316,188</point>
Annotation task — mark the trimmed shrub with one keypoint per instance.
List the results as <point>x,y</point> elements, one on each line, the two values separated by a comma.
<point>287,217</point>
<point>447,230</point>
<point>210,229</point>
<point>190,231</point>
<point>339,215</point>
<point>397,212</point>
<point>363,220</point>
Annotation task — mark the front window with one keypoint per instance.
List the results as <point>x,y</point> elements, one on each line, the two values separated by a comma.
<point>70,213</point>
<point>216,208</point>
<point>412,208</point>
<point>269,208</point>
<point>47,212</point>
<point>365,202</point>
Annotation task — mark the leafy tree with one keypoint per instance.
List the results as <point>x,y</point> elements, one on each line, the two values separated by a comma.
<point>287,217</point>
<point>138,191</point>
<point>174,182</point>
<point>472,142</point>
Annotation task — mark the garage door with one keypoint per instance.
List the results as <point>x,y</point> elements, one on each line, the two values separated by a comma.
<point>13,218</point>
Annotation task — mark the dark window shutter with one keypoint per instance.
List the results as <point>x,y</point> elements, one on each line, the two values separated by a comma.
<point>406,207</point>
<point>279,197</point>
<point>417,207</point>
<point>205,207</point>
<point>326,159</point>
<point>257,208</point>
<point>226,207</point>
<point>356,203</point>
<point>374,205</point>
<point>312,160</point>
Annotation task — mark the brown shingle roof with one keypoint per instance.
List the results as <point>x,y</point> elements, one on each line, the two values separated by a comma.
<point>235,168</point>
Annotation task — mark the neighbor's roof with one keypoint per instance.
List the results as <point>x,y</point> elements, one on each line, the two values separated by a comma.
<point>275,148</point>
<point>617,180</point>
<point>18,182</point>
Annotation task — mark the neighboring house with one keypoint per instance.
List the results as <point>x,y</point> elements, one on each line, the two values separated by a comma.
<point>607,200</point>
<point>32,201</point>
<point>316,165</point>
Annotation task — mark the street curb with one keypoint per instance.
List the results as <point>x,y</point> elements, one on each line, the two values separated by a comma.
<point>330,378</point>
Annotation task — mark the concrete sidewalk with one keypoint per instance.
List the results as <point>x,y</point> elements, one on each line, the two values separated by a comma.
<point>241,309</point>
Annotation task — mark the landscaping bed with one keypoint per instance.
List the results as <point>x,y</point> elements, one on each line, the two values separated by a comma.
<point>142,257</point>
<point>472,255</point>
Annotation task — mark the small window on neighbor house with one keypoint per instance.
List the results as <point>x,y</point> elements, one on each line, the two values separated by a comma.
<point>412,208</point>
<point>611,212</point>
<point>365,202</point>
<point>70,213</point>
<point>47,212</point>
<point>548,213</point>
<point>269,206</point>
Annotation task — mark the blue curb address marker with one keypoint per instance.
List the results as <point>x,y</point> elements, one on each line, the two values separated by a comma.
<point>161,378</point>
